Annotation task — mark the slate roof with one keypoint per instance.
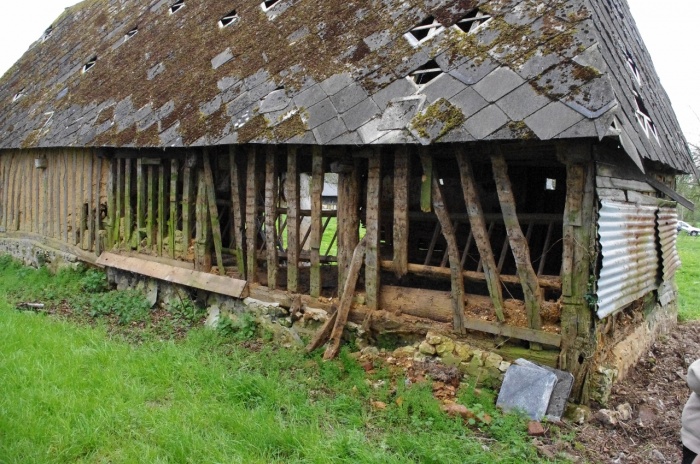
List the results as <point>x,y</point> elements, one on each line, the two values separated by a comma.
<point>338,73</point>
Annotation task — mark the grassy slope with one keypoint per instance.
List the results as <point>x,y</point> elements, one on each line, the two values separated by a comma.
<point>72,394</point>
<point>688,278</point>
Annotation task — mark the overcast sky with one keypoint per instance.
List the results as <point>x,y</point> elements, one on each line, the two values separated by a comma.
<point>670,35</point>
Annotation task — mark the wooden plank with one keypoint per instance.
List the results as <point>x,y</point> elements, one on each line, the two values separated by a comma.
<point>128,213</point>
<point>119,201</point>
<point>479,231</point>
<point>161,208</point>
<point>373,226</point>
<point>235,288</point>
<point>437,306</point>
<point>612,194</point>
<point>186,209</point>
<point>665,189</point>
<point>202,242</point>
<point>426,185</point>
<point>293,244</point>
<point>575,174</point>
<point>237,208</point>
<point>545,249</point>
<point>348,219</point>
<point>402,174</point>
<point>172,224</point>
<point>346,300</point>
<point>518,243</point>
<point>112,179</point>
<point>51,170</point>
<point>315,227</point>
<point>448,232</point>
<point>251,208</point>
<point>77,203</point>
<point>323,333</point>
<point>5,194</point>
<point>624,184</point>
<point>31,212</point>
<point>80,200</point>
<point>213,212</point>
<point>19,192</point>
<point>151,198</point>
<point>271,191</point>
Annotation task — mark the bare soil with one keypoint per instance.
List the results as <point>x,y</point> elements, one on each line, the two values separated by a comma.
<point>656,390</point>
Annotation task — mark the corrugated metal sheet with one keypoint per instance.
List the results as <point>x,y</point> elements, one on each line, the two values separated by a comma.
<point>630,257</point>
<point>667,222</point>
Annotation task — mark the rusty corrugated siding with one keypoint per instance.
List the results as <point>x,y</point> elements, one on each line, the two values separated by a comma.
<point>667,223</point>
<point>630,257</point>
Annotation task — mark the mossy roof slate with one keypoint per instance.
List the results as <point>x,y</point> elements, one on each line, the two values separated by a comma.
<point>335,72</point>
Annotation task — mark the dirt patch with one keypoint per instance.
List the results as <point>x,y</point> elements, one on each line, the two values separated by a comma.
<point>656,390</point>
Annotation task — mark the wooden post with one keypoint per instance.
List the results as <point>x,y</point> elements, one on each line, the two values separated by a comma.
<point>172,226</point>
<point>91,204</point>
<point>251,217</point>
<point>150,211</point>
<point>203,239</point>
<point>213,212</point>
<point>448,232</point>
<point>115,197</point>
<point>161,207</point>
<point>98,217</point>
<point>64,159</point>
<point>373,224</point>
<point>315,229</point>
<point>402,174</point>
<point>479,232</point>
<point>140,201</point>
<point>186,205</point>
<point>346,300</point>
<point>271,191</point>
<point>237,207</point>
<point>426,185</point>
<point>293,245</point>
<point>128,214</point>
<point>348,219</point>
<point>578,336</point>
<point>518,243</point>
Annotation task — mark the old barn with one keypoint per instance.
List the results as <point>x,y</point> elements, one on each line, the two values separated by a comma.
<point>505,169</point>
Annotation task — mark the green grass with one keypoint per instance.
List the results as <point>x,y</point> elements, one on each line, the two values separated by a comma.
<point>688,278</point>
<point>74,394</point>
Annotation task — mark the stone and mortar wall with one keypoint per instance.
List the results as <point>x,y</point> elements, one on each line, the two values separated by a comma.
<point>34,254</point>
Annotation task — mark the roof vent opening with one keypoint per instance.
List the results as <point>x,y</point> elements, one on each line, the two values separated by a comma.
<point>426,30</point>
<point>473,20</point>
<point>89,65</point>
<point>426,73</point>
<point>131,33</point>
<point>18,95</point>
<point>643,118</point>
<point>633,67</point>
<point>177,6</point>
<point>47,33</point>
<point>267,4</point>
<point>229,19</point>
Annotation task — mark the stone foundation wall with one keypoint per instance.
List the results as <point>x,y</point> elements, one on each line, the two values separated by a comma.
<point>34,254</point>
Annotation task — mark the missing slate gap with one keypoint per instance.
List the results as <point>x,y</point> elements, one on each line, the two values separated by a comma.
<point>426,73</point>
<point>229,19</point>
<point>426,29</point>
<point>177,6</point>
<point>267,4</point>
<point>472,21</point>
<point>90,64</point>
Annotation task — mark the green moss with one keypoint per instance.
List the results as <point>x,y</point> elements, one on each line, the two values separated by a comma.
<point>441,113</point>
<point>253,129</point>
<point>521,130</point>
<point>290,127</point>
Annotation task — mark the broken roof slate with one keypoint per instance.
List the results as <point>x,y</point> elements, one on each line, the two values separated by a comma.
<point>544,69</point>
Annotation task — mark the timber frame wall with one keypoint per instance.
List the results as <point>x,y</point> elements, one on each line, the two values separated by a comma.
<point>452,237</point>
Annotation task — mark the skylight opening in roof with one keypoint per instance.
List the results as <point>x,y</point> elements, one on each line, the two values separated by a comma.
<point>633,67</point>
<point>47,33</point>
<point>229,19</point>
<point>177,6</point>
<point>267,4</point>
<point>426,30</point>
<point>426,73</point>
<point>131,33</point>
<point>89,65</point>
<point>18,95</point>
<point>472,21</point>
<point>643,118</point>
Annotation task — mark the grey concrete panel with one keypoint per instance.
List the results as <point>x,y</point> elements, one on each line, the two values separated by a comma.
<point>329,130</point>
<point>522,102</point>
<point>222,58</point>
<point>360,114</point>
<point>526,389</point>
<point>397,89</point>
<point>561,392</point>
<point>498,83</point>
<point>552,120</point>
<point>443,86</point>
<point>348,97</point>
<point>486,122</point>
<point>400,112</point>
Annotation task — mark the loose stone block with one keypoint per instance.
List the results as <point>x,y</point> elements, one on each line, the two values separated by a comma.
<point>528,390</point>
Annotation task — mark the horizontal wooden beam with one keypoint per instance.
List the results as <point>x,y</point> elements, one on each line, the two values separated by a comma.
<point>489,217</point>
<point>547,282</point>
<point>190,278</point>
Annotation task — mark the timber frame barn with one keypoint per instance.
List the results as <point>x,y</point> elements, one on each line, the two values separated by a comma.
<point>505,168</point>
